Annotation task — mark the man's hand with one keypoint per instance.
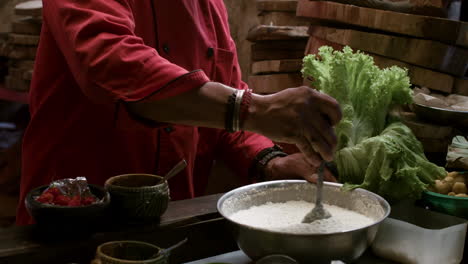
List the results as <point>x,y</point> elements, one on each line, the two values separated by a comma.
<point>294,166</point>
<point>302,116</point>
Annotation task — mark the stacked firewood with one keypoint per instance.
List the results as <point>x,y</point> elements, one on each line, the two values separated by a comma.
<point>21,45</point>
<point>278,45</point>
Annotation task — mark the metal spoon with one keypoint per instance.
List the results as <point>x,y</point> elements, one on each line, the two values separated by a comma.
<point>318,213</point>
<point>177,168</point>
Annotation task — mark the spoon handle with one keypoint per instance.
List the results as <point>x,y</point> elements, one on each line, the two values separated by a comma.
<point>318,199</point>
<point>169,249</point>
<point>177,168</point>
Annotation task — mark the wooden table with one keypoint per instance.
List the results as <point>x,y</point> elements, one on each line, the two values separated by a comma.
<point>197,219</point>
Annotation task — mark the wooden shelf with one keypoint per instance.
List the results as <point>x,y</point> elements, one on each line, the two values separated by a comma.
<point>14,96</point>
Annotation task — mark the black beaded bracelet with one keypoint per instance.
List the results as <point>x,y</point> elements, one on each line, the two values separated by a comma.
<point>230,112</point>
<point>257,170</point>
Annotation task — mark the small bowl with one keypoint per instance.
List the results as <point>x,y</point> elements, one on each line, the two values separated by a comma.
<point>65,220</point>
<point>138,197</point>
<point>129,252</point>
<point>451,205</point>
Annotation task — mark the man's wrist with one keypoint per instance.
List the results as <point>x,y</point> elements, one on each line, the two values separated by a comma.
<point>255,112</point>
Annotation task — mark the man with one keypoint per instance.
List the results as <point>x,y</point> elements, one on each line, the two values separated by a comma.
<point>112,77</point>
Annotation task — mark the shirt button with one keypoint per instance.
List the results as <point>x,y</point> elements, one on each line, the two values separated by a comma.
<point>166,48</point>
<point>169,129</point>
<point>210,52</point>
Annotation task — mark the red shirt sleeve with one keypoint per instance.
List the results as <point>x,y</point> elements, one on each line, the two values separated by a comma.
<point>108,61</point>
<point>239,150</point>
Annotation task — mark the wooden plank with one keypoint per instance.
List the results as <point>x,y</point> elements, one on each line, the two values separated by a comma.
<point>280,45</point>
<point>268,84</point>
<point>445,30</point>
<point>29,8</point>
<point>16,84</point>
<point>419,7</point>
<point>277,5</point>
<point>23,64</point>
<point>264,32</point>
<point>261,55</point>
<point>419,76</point>
<point>22,52</point>
<point>276,66</point>
<point>277,50</point>
<point>424,53</point>
<point>20,39</point>
<point>461,86</point>
<point>28,26</point>
<point>275,18</point>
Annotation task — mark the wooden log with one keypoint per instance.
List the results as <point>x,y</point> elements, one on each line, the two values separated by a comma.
<point>277,5</point>
<point>276,66</point>
<point>444,30</point>
<point>29,8</point>
<point>27,26</point>
<point>275,18</point>
<point>264,32</point>
<point>20,39</point>
<point>424,53</point>
<point>418,76</point>
<point>461,86</point>
<point>268,84</point>
<point>276,50</point>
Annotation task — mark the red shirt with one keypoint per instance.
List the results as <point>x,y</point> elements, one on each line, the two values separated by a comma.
<point>93,57</point>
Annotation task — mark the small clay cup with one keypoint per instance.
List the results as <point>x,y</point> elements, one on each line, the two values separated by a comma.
<point>129,252</point>
<point>138,197</point>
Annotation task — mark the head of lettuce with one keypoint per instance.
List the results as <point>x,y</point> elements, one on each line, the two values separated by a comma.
<point>374,152</point>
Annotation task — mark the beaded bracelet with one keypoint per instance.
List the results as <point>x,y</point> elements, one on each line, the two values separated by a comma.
<point>230,112</point>
<point>257,170</point>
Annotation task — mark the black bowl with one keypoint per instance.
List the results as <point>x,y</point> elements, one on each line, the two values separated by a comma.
<point>65,221</point>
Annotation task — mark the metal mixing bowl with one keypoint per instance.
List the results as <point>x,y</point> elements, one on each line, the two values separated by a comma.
<point>305,248</point>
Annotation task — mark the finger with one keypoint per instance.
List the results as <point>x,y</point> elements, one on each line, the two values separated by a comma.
<point>319,144</point>
<point>311,178</point>
<point>328,176</point>
<point>327,132</point>
<point>311,156</point>
<point>330,107</point>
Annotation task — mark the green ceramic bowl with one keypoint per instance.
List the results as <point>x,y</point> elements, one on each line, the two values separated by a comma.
<point>452,205</point>
<point>138,197</point>
<point>129,252</point>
